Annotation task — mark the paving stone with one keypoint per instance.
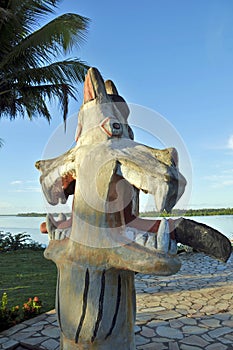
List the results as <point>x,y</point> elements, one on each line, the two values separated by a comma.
<point>151,290</point>
<point>196,306</point>
<point>12,330</point>
<point>151,346</point>
<point>3,340</point>
<point>9,345</point>
<point>169,332</point>
<point>207,337</point>
<point>154,309</point>
<point>217,346</point>
<point>156,323</point>
<point>212,322</point>
<point>168,315</point>
<point>141,340</point>
<point>51,316</point>
<point>50,344</point>
<point>33,329</point>
<point>51,331</point>
<point>222,306</point>
<point>33,341</point>
<point>222,317</point>
<point>188,320</point>
<point>147,332</point>
<point>42,323</point>
<point>189,347</point>
<point>193,329</point>
<point>143,317</point>
<point>183,312</point>
<point>225,340</point>
<point>229,336</point>
<point>228,323</point>
<point>137,329</point>
<point>160,340</point>
<point>20,335</point>
<point>176,323</point>
<point>35,319</point>
<point>173,346</point>
<point>208,309</point>
<point>227,296</point>
<point>219,332</point>
<point>195,340</point>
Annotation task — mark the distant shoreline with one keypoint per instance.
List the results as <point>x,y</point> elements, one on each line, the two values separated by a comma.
<point>190,212</point>
<point>26,215</point>
<point>175,212</point>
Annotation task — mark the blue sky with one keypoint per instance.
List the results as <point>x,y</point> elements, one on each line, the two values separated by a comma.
<point>173,57</point>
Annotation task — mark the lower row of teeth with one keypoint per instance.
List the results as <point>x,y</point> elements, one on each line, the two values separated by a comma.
<point>160,241</point>
<point>58,234</point>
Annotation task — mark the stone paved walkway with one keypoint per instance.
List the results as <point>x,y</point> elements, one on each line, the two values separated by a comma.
<point>192,310</point>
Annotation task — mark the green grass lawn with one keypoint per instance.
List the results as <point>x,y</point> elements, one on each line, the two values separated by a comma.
<point>25,274</point>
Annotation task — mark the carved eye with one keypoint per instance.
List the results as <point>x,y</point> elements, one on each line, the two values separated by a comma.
<point>116,126</point>
<point>111,127</point>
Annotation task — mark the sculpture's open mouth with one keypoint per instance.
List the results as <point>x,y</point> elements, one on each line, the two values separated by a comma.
<point>59,227</point>
<point>158,176</point>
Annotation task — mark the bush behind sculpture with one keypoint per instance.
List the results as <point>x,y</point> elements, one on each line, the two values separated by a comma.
<point>9,242</point>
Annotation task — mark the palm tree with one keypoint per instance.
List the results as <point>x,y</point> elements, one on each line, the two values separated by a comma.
<point>30,75</point>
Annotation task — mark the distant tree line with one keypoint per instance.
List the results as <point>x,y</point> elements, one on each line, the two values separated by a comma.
<point>191,212</point>
<point>37,214</point>
<point>175,212</point>
<point>32,214</point>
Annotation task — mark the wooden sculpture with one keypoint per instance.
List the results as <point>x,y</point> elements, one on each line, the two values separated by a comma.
<point>98,250</point>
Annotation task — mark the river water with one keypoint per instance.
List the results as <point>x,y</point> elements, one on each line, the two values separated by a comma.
<point>30,225</point>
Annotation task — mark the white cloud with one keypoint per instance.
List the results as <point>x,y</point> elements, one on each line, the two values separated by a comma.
<point>16,182</point>
<point>223,179</point>
<point>29,189</point>
<point>25,186</point>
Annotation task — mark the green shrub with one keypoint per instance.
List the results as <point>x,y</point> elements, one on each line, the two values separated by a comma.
<point>9,242</point>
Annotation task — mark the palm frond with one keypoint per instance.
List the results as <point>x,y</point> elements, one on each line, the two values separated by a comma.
<point>56,37</point>
<point>31,100</point>
<point>19,18</point>
<point>66,71</point>
<point>30,75</point>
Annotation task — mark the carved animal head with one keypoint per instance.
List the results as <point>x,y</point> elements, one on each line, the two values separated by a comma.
<point>104,113</point>
<point>105,171</point>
